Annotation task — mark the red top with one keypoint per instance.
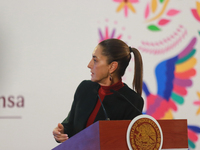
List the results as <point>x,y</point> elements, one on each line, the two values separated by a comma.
<point>103,91</point>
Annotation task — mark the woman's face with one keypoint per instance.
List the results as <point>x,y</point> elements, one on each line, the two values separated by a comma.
<point>99,67</point>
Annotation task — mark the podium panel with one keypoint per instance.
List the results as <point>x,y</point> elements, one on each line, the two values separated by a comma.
<point>111,135</point>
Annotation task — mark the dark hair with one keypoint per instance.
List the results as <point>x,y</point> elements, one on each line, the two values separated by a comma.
<point>117,50</point>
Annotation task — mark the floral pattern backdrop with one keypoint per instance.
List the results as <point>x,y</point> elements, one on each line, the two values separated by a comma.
<point>45,47</point>
<point>174,74</point>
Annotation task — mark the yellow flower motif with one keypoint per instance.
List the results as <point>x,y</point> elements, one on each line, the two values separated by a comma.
<point>126,4</point>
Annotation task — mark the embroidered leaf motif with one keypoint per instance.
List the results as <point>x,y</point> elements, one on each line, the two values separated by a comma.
<point>191,144</point>
<point>161,1</point>
<point>120,7</point>
<point>172,12</point>
<point>154,5</point>
<point>194,12</point>
<point>194,128</point>
<point>198,8</point>
<point>163,22</point>
<point>146,11</point>
<point>161,12</point>
<point>131,7</point>
<point>153,28</point>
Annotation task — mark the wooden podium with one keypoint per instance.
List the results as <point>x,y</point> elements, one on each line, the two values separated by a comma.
<point>111,135</point>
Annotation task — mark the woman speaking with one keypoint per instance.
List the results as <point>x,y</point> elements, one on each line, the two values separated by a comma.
<point>105,96</point>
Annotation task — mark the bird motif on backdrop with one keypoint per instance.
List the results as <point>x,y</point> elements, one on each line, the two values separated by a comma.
<point>173,77</point>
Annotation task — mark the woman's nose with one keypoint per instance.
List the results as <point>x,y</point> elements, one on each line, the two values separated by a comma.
<point>89,65</point>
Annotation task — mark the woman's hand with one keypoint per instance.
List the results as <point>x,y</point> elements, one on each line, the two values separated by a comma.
<point>58,133</point>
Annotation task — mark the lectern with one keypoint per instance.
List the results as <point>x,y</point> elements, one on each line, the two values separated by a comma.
<point>111,135</point>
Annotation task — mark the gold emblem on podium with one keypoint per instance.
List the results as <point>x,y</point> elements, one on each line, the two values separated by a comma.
<point>144,133</point>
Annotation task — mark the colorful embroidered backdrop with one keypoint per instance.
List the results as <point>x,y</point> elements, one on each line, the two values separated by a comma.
<point>45,47</point>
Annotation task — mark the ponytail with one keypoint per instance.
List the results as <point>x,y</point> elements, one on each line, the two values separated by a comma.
<point>138,73</point>
<point>117,50</point>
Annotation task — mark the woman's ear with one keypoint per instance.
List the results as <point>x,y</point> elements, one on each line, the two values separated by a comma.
<point>113,66</point>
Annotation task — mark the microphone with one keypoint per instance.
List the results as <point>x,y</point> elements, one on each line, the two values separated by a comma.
<point>120,95</point>
<point>103,108</point>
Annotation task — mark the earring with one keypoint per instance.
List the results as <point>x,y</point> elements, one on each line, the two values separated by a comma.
<point>110,77</point>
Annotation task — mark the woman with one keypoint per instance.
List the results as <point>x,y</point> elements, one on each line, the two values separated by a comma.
<point>108,64</point>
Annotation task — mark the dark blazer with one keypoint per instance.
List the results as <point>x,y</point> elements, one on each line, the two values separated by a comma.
<point>85,100</point>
